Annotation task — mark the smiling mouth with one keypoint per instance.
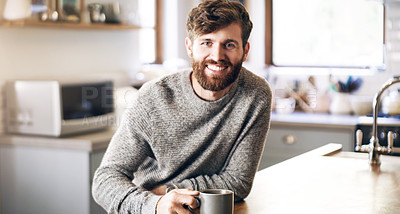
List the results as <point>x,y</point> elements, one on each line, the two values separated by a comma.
<point>216,68</point>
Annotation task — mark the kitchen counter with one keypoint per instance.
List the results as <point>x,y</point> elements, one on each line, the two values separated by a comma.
<point>326,180</point>
<point>99,140</point>
<point>85,142</point>
<point>312,120</point>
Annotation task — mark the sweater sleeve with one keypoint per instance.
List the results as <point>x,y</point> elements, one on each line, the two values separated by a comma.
<point>242,163</point>
<point>112,185</point>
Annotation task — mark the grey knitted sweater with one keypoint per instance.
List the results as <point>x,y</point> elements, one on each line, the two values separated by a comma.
<point>170,136</point>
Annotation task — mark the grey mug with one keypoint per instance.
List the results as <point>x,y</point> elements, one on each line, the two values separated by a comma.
<point>216,201</point>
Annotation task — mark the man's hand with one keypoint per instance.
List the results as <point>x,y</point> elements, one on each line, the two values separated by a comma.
<point>173,201</point>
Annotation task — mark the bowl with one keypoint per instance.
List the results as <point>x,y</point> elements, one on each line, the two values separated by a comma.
<point>361,105</point>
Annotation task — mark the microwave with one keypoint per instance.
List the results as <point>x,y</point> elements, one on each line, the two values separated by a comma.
<point>56,108</point>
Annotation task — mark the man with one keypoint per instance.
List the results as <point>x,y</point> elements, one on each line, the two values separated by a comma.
<point>197,129</point>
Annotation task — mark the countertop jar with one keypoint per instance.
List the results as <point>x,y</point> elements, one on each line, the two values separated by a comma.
<point>391,103</point>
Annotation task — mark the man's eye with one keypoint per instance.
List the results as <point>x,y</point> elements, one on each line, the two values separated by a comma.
<point>206,43</point>
<point>230,46</point>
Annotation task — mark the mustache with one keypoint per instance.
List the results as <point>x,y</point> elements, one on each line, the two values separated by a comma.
<point>220,62</point>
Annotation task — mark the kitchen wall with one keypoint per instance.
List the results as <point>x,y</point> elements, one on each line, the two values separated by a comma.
<point>29,52</point>
<point>393,38</point>
<point>35,52</point>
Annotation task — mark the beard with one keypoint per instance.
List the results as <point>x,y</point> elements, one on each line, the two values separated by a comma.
<point>215,82</point>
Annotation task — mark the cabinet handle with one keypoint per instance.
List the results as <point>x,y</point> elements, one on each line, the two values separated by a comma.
<point>289,139</point>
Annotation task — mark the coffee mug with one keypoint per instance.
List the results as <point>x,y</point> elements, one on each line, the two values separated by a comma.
<point>216,201</point>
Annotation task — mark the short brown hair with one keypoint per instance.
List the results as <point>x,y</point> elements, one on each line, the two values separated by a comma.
<point>212,15</point>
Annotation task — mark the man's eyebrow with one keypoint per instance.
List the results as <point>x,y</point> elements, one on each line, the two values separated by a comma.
<point>226,41</point>
<point>205,39</point>
<point>232,40</point>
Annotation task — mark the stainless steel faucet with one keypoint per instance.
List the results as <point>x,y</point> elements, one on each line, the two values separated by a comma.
<point>373,148</point>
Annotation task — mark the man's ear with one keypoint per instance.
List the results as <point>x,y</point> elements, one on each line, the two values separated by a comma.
<point>189,48</point>
<point>246,51</point>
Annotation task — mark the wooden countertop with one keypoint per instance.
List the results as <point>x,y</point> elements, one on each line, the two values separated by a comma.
<point>86,142</point>
<point>326,180</point>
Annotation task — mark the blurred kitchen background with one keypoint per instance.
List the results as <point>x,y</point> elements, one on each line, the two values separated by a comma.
<point>32,50</point>
<point>322,57</point>
<point>145,38</point>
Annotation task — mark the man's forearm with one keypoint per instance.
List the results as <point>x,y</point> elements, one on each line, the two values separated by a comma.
<point>160,190</point>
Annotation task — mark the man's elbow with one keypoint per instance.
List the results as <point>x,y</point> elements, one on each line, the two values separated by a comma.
<point>243,190</point>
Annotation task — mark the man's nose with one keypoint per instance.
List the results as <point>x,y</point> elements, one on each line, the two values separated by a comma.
<point>217,53</point>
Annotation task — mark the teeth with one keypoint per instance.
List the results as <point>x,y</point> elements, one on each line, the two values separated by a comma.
<point>216,68</point>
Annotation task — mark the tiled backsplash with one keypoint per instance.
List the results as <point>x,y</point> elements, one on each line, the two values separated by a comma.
<point>393,36</point>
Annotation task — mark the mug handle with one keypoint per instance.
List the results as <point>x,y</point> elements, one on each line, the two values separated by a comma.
<point>189,208</point>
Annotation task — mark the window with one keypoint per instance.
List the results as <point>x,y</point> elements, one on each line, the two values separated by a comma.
<point>327,33</point>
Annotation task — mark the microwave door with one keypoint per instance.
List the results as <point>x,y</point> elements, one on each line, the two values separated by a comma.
<point>86,104</point>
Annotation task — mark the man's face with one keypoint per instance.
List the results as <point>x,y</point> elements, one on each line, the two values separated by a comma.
<point>217,57</point>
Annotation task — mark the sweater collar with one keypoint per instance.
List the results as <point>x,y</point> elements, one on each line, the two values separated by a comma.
<point>190,94</point>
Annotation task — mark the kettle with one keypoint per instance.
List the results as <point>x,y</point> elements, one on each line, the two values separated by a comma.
<point>391,103</point>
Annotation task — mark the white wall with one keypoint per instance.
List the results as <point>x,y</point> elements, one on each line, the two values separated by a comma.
<point>30,51</point>
<point>37,51</point>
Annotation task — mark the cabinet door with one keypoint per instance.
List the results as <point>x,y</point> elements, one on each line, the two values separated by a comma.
<point>38,180</point>
<point>287,142</point>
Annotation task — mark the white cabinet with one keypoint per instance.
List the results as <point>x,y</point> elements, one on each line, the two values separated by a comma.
<point>42,180</point>
<point>49,175</point>
<point>287,141</point>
